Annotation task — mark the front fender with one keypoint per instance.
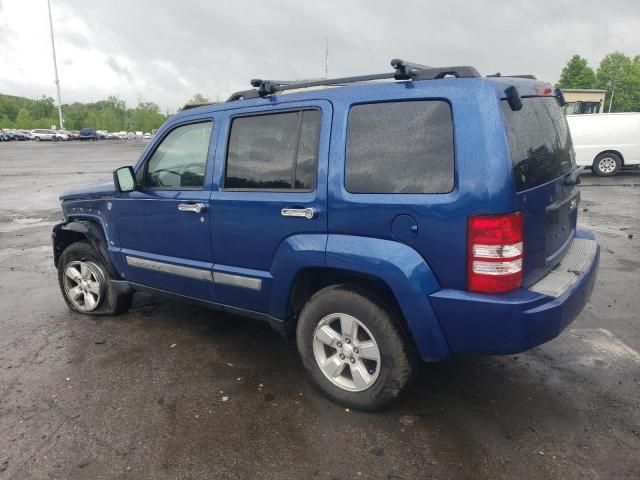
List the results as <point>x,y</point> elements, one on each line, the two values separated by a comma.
<point>408,276</point>
<point>88,229</point>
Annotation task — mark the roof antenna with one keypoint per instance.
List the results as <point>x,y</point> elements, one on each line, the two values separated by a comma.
<point>326,60</point>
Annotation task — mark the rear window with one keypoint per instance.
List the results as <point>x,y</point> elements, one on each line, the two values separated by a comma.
<point>539,141</point>
<point>400,147</point>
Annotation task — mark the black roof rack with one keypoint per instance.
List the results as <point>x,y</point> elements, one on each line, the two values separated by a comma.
<point>526,75</point>
<point>196,105</point>
<point>403,71</point>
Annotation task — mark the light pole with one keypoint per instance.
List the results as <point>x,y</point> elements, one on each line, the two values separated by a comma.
<point>611,99</point>
<point>55,67</point>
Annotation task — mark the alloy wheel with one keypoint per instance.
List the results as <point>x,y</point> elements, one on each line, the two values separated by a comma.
<point>83,285</point>
<point>346,352</point>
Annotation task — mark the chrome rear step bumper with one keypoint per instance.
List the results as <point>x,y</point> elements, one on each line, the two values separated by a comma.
<point>574,264</point>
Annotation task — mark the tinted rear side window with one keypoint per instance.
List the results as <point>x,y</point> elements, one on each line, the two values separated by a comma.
<point>400,147</point>
<point>273,152</point>
<point>539,141</point>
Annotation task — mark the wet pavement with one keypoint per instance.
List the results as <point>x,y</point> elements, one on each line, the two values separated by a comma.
<point>171,390</point>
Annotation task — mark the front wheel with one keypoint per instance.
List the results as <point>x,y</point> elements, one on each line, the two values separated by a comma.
<point>85,282</point>
<point>607,164</point>
<point>354,348</point>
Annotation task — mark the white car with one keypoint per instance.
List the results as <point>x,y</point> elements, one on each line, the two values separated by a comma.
<point>606,141</point>
<point>63,135</point>
<point>147,136</point>
<point>43,134</point>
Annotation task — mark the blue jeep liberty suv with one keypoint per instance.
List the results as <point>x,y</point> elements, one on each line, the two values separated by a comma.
<point>381,219</point>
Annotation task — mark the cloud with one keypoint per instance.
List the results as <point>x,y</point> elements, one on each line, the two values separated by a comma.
<point>119,69</point>
<point>165,51</point>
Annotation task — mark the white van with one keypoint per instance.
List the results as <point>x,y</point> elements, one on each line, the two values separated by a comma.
<point>607,141</point>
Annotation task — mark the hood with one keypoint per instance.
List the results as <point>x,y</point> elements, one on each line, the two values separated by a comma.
<point>101,190</point>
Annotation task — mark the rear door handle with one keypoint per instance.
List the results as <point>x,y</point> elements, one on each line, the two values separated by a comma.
<point>307,213</point>
<point>191,207</point>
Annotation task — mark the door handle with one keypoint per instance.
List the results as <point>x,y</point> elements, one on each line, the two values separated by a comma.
<point>307,213</point>
<point>191,207</point>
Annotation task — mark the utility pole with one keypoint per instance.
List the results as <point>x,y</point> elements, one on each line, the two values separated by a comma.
<point>55,68</point>
<point>326,60</point>
<point>611,99</point>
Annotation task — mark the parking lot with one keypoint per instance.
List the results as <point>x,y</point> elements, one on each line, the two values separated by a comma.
<point>172,390</point>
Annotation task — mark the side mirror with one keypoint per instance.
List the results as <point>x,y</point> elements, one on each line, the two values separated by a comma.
<point>124,179</point>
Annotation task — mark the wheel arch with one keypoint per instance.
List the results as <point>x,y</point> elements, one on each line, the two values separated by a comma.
<point>390,270</point>
<point>310,280</point>
<point>610,150</point>
<point>66,233</point>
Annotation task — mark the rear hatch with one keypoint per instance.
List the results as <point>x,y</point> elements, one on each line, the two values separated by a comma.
<point>543,164</point>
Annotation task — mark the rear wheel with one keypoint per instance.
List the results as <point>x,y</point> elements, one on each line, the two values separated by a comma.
<point>607,164</point>
<point>85,282</point>
<point>354,348</point>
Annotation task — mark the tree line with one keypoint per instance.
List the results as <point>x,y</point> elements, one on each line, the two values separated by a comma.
<point>617,73</point>
<point>111,114</point>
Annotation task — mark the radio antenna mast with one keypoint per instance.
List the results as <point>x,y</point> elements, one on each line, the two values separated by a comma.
<point>326,60</point>
<point>55,68</point>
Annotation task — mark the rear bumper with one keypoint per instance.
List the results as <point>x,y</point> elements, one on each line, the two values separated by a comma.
<point>476,324</point>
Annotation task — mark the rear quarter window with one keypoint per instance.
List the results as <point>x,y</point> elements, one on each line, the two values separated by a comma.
<point>400,147</point>
<point>539,141</point>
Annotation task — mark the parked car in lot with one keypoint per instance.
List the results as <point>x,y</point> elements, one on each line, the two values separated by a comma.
<point>429,216</point>
<point>64,135</point>
<point>43,134</point>
<point>88,134</point>
<point>20,135</point>
<point>606,142</point>
<point>147,136</point>
<point>11,134</point>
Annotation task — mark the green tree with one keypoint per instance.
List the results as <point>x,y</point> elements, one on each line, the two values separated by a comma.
<point>5,122</point>
<point>198,98</point>
<point>43,107</point>
<point>23,119</point>
<point>146,117</point>
<point>620,76</point>
<point>577,74</point>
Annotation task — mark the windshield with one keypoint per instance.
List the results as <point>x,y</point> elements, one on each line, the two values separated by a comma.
<point>539,141</point>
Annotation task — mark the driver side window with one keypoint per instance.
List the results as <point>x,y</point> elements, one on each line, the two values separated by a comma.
<point>180,161</point>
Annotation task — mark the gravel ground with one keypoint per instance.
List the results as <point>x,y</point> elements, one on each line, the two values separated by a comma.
<point>176,391</point>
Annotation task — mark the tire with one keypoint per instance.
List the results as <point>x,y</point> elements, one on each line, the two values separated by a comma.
<point>94,282</point>
<point>607,164</point>
<point>37,139</point>
<point>320,324</point>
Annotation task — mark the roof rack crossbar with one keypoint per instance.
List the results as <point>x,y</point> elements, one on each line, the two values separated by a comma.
<point>266,87</point>
<point>402,71</point>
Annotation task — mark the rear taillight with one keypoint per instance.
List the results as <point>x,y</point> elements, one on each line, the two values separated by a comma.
<point>494,252</point>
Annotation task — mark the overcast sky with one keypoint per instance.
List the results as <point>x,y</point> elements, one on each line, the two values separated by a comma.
<point>165,51</point>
